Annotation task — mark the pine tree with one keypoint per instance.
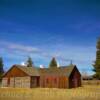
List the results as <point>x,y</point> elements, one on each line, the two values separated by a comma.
<point>29,62</point>
<point>53,63</point>
<point>97,62</point>
<point>1,67</point>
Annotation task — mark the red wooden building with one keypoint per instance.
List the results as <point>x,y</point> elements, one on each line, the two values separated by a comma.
<point>52,77</point>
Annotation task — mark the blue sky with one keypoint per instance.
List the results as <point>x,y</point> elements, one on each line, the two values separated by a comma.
<point>42,29</point>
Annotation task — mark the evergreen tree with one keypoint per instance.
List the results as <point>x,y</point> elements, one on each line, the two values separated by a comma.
<point>29,62</point>
<point>97,62</point>
<point>53,63</point>
<point>1,67</point>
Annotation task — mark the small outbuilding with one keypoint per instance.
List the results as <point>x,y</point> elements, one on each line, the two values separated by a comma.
<point>32,77</point>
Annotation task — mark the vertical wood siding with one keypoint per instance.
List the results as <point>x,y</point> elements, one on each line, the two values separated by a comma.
<point>75,79</point>
<point>4,82</point>
<point>22,82</point>
<point>54,81</point>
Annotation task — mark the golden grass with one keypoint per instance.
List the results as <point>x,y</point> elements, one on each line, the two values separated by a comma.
<point>91,82</point>
<point>83,93</point>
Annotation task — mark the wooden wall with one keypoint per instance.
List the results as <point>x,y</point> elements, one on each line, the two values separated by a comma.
<point>4,82</point>
<point>22,82</point>
<point>16,78</point>
<point>75,79</point>
<point>17,82</point>
<point>54,81</point>
<point>63,82</point>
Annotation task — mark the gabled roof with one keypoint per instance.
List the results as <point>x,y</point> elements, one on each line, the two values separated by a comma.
<point>61,71</point>
<point>31,71</point>
<point>56,71</point>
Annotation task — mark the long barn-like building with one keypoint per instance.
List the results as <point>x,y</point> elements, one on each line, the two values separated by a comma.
<point>32,77</point>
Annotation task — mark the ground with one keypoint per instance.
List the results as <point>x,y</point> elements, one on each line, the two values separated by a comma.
<point>87,92</point>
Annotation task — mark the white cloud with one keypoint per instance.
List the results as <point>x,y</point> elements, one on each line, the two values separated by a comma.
<point>19,47</point>
<point>41,66</point>
<point>23,63</point>
<point>83,56</point>
<point>75,53</point>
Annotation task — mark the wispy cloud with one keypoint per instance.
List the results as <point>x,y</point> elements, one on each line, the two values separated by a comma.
<point>18,47</point>
<point>80,55</point>
<point>77,53</point>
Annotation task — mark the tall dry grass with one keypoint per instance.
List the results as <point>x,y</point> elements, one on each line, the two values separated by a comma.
<point>91,82</point>
<point>83,93</point>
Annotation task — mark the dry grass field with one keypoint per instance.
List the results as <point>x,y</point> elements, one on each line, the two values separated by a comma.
<point>91,82</point>
<point>86,92</point>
